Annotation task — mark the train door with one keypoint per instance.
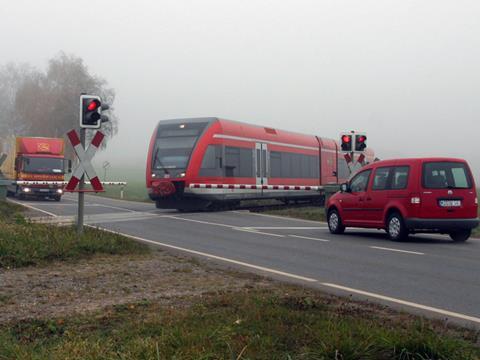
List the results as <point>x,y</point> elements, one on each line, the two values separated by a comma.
<point>261,163</point>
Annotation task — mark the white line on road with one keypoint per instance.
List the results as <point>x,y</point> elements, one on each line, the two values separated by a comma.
<point>261,268</point>
<point>284,218</point>
<point>309,238</point>
<point>199,221</point>
<point>32,207</point>
<point>403,302</point>
<point>252,230</point>
<point>397,250</point>
<point>288,227</point>
<point>311,280</point>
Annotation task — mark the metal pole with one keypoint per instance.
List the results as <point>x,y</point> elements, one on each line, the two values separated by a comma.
<point>81,195</point>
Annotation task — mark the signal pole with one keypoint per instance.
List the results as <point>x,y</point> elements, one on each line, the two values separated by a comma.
<point>81,194</point>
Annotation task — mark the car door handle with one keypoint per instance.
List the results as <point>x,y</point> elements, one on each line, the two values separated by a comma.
<point>368,199</point>
<point>360,199</point>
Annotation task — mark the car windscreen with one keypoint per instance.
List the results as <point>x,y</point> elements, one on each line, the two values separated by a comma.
<point>41,165</point>
<point>174,145</point>
<point>446,175</point>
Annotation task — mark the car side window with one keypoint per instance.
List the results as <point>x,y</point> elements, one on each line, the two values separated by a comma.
<point>400,177</point>
<point>360,181</point>
<point>380,180</point>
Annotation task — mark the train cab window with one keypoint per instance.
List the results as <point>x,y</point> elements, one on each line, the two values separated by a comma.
<point>212,161</point>
<point>238,162</point>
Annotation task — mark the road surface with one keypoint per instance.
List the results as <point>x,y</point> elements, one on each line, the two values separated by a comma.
<point>428,275</point>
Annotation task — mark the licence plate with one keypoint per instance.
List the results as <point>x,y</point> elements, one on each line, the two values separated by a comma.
<point>44,190</point>
<point>450,203</point>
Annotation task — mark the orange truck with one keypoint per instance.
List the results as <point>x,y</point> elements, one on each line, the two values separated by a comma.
<point>36,167</point>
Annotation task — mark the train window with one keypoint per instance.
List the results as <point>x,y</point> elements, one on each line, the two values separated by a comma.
<point>212,161</point>
<point>343,170</point>
<point>238,162</point>
<point>293,165</point>
<point>275,164</point>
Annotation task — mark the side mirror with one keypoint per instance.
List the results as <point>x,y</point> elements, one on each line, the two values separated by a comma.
<point>344,187</point>
<point>18,162</point>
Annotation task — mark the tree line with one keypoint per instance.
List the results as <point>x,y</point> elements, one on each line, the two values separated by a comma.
<point>46,103</point>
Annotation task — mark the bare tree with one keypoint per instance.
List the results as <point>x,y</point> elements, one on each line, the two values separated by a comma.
<point>12,78</point>
<point>47,104</point>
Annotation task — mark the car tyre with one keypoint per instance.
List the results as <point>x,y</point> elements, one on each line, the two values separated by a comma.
<point>335,224</point>
<point>396,229</point>
<point>460,235</point>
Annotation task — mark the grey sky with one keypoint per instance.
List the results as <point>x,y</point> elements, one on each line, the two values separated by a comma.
<point>406,72</point>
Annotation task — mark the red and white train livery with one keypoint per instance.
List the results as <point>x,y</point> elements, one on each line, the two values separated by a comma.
<point>201,163</point>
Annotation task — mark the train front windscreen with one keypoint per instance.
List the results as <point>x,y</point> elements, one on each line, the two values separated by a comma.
<point>173,146</point>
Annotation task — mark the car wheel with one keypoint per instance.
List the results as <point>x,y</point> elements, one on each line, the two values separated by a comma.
<point>335,224</point>
<point>460,235</point>
<point>58,198</point>
<point>396,229</point>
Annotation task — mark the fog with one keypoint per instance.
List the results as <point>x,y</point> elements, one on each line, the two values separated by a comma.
<point>406,72</point>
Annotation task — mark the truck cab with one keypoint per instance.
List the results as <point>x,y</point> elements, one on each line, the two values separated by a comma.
<point>37,168</point>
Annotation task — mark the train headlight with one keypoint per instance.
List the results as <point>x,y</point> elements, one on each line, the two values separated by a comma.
<point>153,175</point>
<point>26,190</point>
<point>182,174</point>
<point>59,191</point>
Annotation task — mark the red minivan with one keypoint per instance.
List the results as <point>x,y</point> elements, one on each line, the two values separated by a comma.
<point>407,196</point>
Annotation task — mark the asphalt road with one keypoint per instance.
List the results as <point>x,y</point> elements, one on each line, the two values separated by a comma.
<point>429,275</point>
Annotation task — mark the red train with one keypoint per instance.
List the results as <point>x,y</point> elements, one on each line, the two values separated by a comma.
<point>208,163</point>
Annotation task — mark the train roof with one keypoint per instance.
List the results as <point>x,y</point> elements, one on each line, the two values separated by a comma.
<point>248,130</point>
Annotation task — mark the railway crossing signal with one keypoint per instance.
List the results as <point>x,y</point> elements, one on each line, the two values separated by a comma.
<point>91,108</point>
<point>347,140</point>
<point>353,143</point>
<point>360,142</point>
<point>85,166</point>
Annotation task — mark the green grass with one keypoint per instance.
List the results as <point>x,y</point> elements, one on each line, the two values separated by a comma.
<point>134,191</point>
<point>23,243</point>
<point>247,325</point>
<point>306,213</point>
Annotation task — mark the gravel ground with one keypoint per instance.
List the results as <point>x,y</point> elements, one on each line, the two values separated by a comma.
<point>62,288</point>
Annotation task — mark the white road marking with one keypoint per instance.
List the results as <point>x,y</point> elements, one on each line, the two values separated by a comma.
<point>211,256</point>
<point>252,230</point>
<point>32,207</point>
<point>199,221</point>
<point>397,250</point>
<point>288,227</point>
<point>284,218</point>
<point>309,238</point>
<point>286,274</point>
<point>404,302</point>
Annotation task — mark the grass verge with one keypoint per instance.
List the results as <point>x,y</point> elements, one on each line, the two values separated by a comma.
<point>240,325</point>
<point>134,191</point>
<point>305,213</point>
<point>23,243</point>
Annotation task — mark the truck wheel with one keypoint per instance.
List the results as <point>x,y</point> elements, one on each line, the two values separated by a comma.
<point>396,229</point>
<point>58,198</point>
<point>335,224</point>
<point>460,235</point>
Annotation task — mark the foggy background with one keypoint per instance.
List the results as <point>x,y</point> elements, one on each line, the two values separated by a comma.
<point>406,72</point>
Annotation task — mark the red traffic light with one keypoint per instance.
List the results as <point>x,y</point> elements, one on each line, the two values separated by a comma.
<point>362,138</point>
<point>93,105</point>
<point>346,138</point>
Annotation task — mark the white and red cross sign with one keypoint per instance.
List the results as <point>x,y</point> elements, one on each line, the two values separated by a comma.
<point>85,165</point>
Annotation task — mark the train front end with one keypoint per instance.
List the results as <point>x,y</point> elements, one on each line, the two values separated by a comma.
<point>171,147</point>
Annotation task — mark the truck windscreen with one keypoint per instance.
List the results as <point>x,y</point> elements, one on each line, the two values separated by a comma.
<point>174,145</point>
<point>41,165</point>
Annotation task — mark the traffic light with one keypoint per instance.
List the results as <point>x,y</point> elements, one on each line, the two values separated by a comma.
<point>346,142</point>
<point>91,112</point>
<point>360,142</point>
